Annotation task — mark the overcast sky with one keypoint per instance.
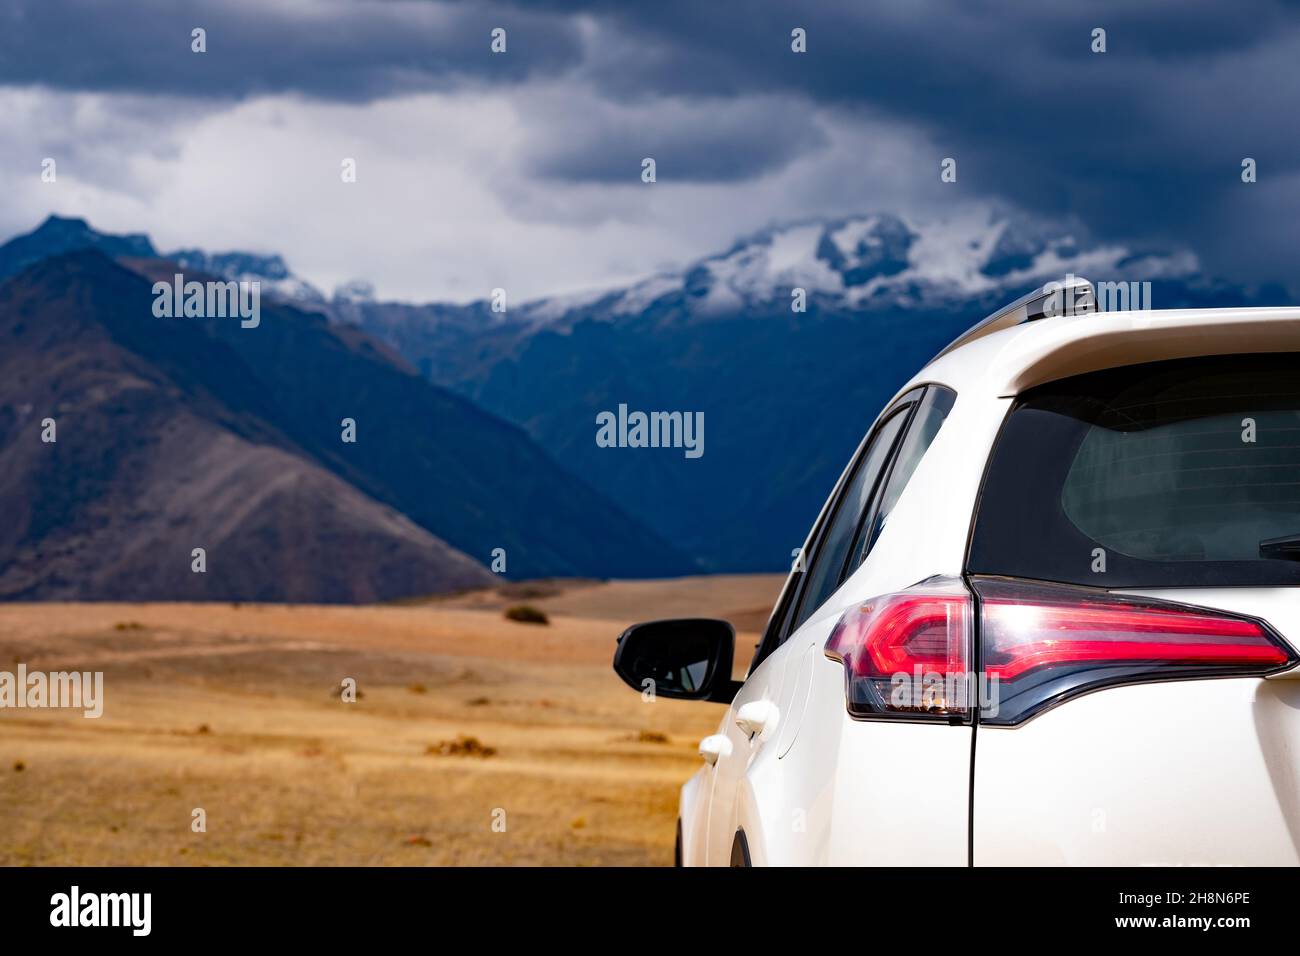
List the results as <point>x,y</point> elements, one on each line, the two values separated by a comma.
<point>522,170</point>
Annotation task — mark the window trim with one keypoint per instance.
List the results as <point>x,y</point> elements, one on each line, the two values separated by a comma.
<point>905,411</point>
<point>877,500</point>
<point>779,628</point>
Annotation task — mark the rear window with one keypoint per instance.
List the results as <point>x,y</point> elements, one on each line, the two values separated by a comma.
<point>1168,474</point>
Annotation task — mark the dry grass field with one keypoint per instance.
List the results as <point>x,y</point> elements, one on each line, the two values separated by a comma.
<point>464,718</point>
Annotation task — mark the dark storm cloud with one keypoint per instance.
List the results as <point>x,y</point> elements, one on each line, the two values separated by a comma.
<point>350,50</point>
<point>697,141</point>
<point>1145,140</point>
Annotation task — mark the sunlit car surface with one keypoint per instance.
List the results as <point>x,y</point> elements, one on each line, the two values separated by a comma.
<point>1048,615</point>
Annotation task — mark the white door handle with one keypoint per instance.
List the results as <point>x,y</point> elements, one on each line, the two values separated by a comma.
<point>757,717</point>
<point>713,747</point>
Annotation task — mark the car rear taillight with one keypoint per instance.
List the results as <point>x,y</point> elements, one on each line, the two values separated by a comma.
<point>911,654</point>
<point>907,654</point>
<point>1041,644</point>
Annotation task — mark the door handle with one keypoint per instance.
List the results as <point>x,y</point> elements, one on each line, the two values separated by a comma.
<point>757,717</point>
<point>713,747</point>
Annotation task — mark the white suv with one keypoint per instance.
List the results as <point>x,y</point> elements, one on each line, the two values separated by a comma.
<point>1047,616</point>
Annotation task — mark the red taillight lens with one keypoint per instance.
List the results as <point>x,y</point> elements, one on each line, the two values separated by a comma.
<point>1023,636</point>
<point>1041,644</point>
<point>907,653</point>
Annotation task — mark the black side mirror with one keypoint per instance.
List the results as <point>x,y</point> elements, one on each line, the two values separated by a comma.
<point>689,659</point>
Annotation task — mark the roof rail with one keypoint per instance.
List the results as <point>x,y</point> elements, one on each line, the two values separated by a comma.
<point>1073,296</point>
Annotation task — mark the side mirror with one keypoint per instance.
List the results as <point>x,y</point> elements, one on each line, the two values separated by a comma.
<point>689,659</point>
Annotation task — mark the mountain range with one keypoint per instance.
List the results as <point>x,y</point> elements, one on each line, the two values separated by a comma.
<point>786,394</point>
<point>476,428</point>
<point>176,434</point>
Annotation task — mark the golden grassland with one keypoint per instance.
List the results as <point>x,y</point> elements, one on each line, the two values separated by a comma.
<point>464,717</point>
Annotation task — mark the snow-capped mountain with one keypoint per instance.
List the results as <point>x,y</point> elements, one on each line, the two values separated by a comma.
<point>786,394</point>
<point>357,290</point>
<point>277,280</point>
<point>875,261</point>
<point>271,271</point>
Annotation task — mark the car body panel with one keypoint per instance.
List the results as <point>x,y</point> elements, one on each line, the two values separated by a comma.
<point>784,801</point>
<point>1200,771</point>
<point>731,770</point>
<point>693,814</point>
<point>1005,363</point>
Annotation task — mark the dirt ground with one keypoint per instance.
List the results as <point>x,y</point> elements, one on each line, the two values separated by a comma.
<point>475,740</point>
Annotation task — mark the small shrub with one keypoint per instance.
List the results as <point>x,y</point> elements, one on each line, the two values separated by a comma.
<point>462,746</point>
<point>526,614</point>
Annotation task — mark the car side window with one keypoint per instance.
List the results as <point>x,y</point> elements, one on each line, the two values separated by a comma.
<point>925,425</point>
<point>785,614</point>
<point>824,571</point>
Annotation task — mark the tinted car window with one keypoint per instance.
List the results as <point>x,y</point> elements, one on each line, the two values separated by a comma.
<point>1159,475</point>
<point>925,425</point>
<point>828,563</point>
